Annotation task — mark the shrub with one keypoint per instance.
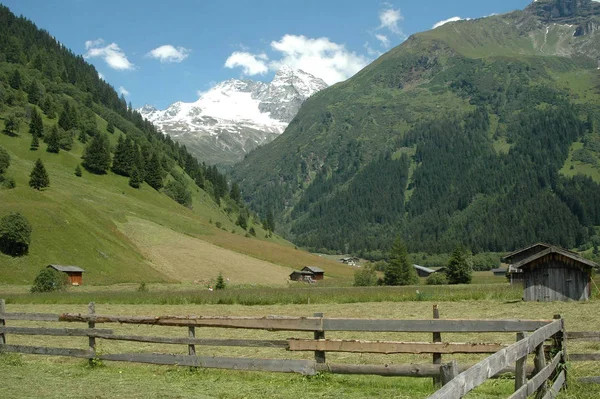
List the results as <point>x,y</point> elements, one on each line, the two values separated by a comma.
<point>15,234</point>
<point>49,280</point>
<point>252,231</point>
<point>220,285</point>
<point>4,160</point>
<point>437,279</point>
<point>8,183</point>
<point>142,287</point>
<point>365,277</point>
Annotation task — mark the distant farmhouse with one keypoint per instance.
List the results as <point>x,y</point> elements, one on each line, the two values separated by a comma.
<point>352,261</point>
<point>423,271</point>
<point>550,273</point>
<point>499,272</point>
<point>308,273</point>
<point>74,273</point>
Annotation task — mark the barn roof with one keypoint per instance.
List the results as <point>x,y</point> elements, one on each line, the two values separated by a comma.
<point>314,269</point>
<point>68,269</point>
<point>499,270</point>
<point>302,272</point>
<point>425,269</point>
<point>517,252</point>
<point>555,250</point>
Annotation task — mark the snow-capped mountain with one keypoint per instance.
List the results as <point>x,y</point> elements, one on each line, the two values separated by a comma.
<point>236,116</point>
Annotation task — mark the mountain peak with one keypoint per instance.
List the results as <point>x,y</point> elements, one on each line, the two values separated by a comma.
<point>563,11</point>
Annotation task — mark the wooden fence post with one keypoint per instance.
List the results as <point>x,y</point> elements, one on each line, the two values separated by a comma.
<point>448,371</point>
<point>437,357</point>
<point>520,366</point>
<point>560,344</point>
<point>540,363</point>
<point>92,340</point>
<point>2,322</point>
<point>319,355</point>
<point>192,334</point>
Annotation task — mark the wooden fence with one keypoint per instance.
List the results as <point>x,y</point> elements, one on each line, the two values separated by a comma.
<point>457,380</point>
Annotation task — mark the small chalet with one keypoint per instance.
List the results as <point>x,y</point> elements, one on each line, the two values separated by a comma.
<point>74,273</point>
<point>301,276</point>
<point>318,273</point>
<point>499,272</point>
<point>423,271</point>
<point>555,274</point>
<point>352,261</point>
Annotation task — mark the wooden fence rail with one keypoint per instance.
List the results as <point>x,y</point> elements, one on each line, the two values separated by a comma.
<point>458,379</point>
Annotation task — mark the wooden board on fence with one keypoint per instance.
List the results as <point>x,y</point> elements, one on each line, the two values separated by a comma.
<point>30,316</point>
<point>317,324</point>
<point>304,367</point>
<point>537,380</point>
<point>590,380</point>
<point>583,335</point>
<point>558,383</point>
<point>252,343</point>
<point>42,350</point>
<point>491,365</point>
<point>584,357</point>
<point>57,332</point>
<point>389,347</point>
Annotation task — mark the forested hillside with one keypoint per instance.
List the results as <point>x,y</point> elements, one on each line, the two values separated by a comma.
<point>104,190</point>
<point>482,133</point>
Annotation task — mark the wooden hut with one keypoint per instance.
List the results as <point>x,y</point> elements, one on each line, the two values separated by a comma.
<point>555,274</point>
<point>515,276</point>
<point>317,273</point>
<point>74,273</point>
<point>300,275</point>
<point>423,271</point>
<point>499,272</point>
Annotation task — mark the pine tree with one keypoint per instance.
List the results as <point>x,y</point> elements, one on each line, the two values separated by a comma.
<point>220,285</point>
<point>36,125</point>
<point>48,107</point>
<point>15,80</point>
<point>235,193</point>
<point>33,92</point>
<point>35,143</point>
<point>154,172</point>
<point>38,178</point>
<point>78,171</point>
<point>460,266</point>
<point>399,271</point>
<point>97,155</point>
<point>135,180</point>
<point>53,140</point>
<point>110,127</point>
<point>122,161</point>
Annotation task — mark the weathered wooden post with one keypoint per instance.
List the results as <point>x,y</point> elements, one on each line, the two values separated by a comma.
<point>437,357</point>
<point>319,355</point>
<point>2,322</point>
<point>448,371</point>
<point>540,362</point>
<point>521,366</point>
<point>192,334</point>
<point>91,339</point>
<point>560,344</point>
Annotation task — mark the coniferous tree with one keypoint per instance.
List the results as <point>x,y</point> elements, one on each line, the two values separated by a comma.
<point>15,80</point>
<point>4,160</point>
<point>399,271</point>
<point>220,285</point>
<point>235,193</point>
<point>66,139</point>
<point>153,175</point>
<point>122,161</point>
<point>135,180</point>
<point>35,143</point>
<point>53,140</point>
<point>33,92</point>
<point>460,266</point>
<point>97,155</point>
<point>110,127</point>
<point>48,107</point>
<point>38,178</point>
<point>36,125</point>
<point>78,171</point>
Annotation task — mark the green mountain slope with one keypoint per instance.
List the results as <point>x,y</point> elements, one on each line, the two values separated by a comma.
<point>459,135</point>
<point>183,231</point>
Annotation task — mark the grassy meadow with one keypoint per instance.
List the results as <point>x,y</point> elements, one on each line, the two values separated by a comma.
<point>69,378</point>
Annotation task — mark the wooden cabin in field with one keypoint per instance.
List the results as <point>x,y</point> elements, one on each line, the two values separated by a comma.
<point>318,273</point>
<point>556,274</point>
<point>423,271</point>
<point>299,275</point>
<point>74,273</point>
<point>515,275</point>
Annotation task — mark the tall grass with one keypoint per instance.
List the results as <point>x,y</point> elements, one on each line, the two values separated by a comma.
<point>275,296</point>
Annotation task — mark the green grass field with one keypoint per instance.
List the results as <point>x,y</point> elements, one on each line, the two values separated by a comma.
<point>69,378</point>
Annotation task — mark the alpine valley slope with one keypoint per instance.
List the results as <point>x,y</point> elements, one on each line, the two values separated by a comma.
<point>236,116</point>
<point>465,134</point>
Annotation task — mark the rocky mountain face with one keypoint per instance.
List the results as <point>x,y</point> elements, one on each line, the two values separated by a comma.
<point>481,133</point>
<point>236,116</point>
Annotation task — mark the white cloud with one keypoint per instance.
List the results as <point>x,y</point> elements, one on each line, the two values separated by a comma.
<point>169,53</point>
<point>251,64</point>
<point>453,19</point>
<point>111,54</point>
<point>385,42</point>
<point>390,18</point>
<point>123,91</point>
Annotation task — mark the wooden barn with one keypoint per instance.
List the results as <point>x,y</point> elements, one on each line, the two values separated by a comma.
<point>423,271</point>
<point>556,274</point>
<point>515,275</point>
<point>499,272</point>
<point>317,273</point>
<point>74,273</point>
<point>300,275</point>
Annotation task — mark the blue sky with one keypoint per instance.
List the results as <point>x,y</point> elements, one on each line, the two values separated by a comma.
<point>161,52</point>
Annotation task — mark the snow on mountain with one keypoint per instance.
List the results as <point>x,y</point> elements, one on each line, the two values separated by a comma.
<point>236,116</point>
